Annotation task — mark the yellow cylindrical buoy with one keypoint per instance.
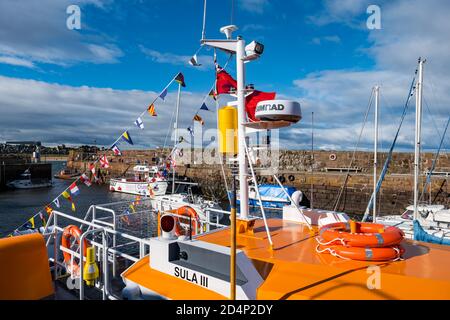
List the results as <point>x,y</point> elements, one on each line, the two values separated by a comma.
<point>227,130</point>
<point>352,226</point>
<point>90,271</point>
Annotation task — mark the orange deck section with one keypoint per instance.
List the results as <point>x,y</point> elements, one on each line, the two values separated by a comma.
<point>293,270</point>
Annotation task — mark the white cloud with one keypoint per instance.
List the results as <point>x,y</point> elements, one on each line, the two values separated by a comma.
<point>254,6</point>
<point>35,31</point>
<point>339,97</point>
<point>333,39</point>
<point>177,60</point>
<point>342,11</point>
<point>55,113</point>
<point>16,61</point>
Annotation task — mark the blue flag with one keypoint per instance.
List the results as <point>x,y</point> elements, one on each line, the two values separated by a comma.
<point>126,136</point>
<point>204,107</point>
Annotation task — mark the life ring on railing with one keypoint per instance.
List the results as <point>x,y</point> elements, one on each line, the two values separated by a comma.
<point>333,157</point>
<point>363,254</point>
<point>366,235</point>
<point>69,233</point>
<point>187,212</point>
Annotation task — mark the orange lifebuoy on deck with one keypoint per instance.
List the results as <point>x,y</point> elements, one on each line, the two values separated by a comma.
<point>364,254</point>
<point>187,212</point>
<point>72,232</point>
<point>366,235</point>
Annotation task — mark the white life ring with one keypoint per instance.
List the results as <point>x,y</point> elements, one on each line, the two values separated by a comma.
<point>333,157</point>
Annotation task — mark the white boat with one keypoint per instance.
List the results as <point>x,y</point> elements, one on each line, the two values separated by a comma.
<point>25,182</point>
<point>434,219</point>
<point>146,181</point>
<point>273,196</point>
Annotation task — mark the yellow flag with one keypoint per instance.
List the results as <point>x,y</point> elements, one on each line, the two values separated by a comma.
<point>152,111</point>
<point>66,195</point>
<point>31,221</point>
<point>73,207</point>
<point>132,208</point>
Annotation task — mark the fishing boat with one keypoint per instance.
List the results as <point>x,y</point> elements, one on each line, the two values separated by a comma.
<point>67,174</point>
<point>26,182</point>
<point>144,181</point>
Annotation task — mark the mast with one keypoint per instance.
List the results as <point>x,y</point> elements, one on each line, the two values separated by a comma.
<point>176,136</point>
<point>375,154</point>
<point>312,160</point>
<point>419,91</point>
<point>243,167</point>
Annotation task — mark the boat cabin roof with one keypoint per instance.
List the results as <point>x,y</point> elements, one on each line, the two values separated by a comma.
<point>294,270</point>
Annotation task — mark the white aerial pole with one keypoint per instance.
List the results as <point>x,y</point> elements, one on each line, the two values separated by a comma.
<point>176,136</point>
<point>375,154</point>
<point>419,91</point>
<point>243,168</point>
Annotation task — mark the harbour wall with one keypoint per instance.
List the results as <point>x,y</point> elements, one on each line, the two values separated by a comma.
<point>320,177</point>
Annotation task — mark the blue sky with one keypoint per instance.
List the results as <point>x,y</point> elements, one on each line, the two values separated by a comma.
<point>77,86</point>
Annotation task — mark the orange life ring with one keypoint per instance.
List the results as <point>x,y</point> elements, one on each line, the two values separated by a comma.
<point>72,232</point>
<point>364,254</point>
<point>187,212</point>
<point>367,235</point>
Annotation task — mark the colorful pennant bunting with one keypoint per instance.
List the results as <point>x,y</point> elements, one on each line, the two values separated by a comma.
<point>56,203</point>
<point>74,189</point>
<point>204,107</point>
<point>180,79</point>
<point>151,110</point>
<point>85,179</point>
<point>139,123</point>
<point>104,162</point>
<point>126,136</point>
<point>116,150</point>
<point>163,95</point>
<point>199,119</point>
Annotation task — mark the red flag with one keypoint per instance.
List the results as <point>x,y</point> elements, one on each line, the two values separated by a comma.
<point>253,99</point>
<point>225,83</point>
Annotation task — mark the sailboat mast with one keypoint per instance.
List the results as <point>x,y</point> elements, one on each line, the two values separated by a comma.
<point>176,136</point>
<point>419,91</point>
<point>375,154</point>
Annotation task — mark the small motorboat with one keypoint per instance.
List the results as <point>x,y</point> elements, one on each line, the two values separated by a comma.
<point>25,182</point>
<point>67,174</point>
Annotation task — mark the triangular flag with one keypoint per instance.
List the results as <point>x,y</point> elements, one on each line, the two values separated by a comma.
<point>199,119</point>
<point>126,136</point>
<point>139,123</point>
<point>204,107</point>
<point>163,95</point>
<point>116,150</point>
<point>132,208</point>
<point>73,207</point>
<point>194,61</point>
<point>41,215</point>
<point>212,94</point>
<point>151,110</point>
<point>180,79</point>
<point>49,210</point>
<point>67,196</point>
<point>30,224</point>
<point>56,203</point>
